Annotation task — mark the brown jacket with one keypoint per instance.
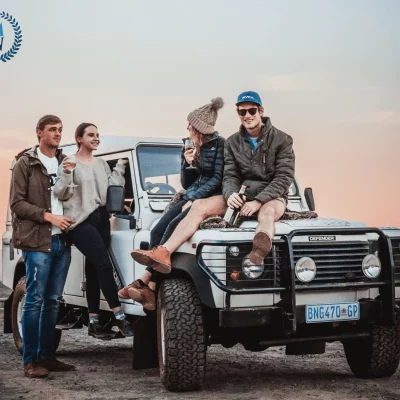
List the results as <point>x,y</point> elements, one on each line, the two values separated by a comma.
<point>267,173</point>
<point>30,198</point>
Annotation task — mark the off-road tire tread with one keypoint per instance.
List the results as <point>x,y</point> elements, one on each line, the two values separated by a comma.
<point>185,344</point>
<point>19,291</point>
<point>377,356</point>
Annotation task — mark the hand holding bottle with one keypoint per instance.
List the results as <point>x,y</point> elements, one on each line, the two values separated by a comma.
<point>236,200</point>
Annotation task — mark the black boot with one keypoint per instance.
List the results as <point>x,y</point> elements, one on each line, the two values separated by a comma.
<point>98,331</point>
<point>125,328</point>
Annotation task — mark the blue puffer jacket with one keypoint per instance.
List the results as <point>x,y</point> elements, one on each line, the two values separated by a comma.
<point>206,180</point>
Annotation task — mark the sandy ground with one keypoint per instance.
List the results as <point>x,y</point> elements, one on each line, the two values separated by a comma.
<point>104,372</point>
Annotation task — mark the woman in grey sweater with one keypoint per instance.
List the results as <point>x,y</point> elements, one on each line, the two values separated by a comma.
<point>82,186</point>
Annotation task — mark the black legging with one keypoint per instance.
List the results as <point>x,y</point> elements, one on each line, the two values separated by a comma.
<point>166,226</point>
<point>92,239</point>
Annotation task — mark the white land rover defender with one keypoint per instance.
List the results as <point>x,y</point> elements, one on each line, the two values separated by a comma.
<point>325,280</point>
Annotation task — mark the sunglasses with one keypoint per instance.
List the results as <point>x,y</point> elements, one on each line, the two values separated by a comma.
<point>251,111</point>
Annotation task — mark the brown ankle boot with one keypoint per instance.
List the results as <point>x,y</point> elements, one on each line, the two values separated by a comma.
<point>144,295</point>
<point>123,293</point>
<point>33,370</point>
<point>262,245</point>
<point>56,365</point>
<point>157,258</point>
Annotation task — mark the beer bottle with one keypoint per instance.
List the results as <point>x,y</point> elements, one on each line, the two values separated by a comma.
<point>232,214</point>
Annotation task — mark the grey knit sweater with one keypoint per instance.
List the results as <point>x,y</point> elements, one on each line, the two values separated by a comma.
<point>91,192</point>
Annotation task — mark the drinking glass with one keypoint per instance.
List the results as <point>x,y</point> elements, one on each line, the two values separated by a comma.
<point>189,145</point>
<point>72,161</point>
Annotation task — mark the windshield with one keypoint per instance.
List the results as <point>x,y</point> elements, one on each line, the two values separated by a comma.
<point>160,169</point>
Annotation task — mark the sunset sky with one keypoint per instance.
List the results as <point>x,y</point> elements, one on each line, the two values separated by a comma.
<point>327,71</point>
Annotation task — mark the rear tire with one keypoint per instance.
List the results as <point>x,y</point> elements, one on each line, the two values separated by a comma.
<point>16,316</point>
<point>180,336</point>
<point>377,356</point>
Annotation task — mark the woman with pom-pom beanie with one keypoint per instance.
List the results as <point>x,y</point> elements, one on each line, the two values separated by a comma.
<point>203,181</point>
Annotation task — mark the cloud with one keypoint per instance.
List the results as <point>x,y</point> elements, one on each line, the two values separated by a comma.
<point>287,83</point>
<point>328,81</point>
<point>379,117</point>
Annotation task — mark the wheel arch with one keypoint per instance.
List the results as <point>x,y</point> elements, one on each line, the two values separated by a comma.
<point>185,266</point>
<point>20,271</point>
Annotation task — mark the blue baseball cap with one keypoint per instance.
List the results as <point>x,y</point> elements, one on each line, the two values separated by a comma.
<point>249,97</point>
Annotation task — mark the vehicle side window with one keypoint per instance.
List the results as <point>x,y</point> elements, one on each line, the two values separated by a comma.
<point>129,200</point>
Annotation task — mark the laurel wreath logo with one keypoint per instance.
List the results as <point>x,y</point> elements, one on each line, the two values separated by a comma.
<point>17,37</point>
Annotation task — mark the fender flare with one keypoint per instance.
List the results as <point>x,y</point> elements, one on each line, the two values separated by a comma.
<point>186,264</point>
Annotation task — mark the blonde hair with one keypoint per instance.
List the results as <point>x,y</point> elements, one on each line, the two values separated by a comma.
<point>199,139</point>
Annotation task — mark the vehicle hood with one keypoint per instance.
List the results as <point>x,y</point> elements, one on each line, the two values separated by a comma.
<point>246,229</point>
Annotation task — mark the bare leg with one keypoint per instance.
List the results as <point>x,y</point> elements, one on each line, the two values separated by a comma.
<point>200,210</point>
<point>268,214</point>
<point>146,277</point>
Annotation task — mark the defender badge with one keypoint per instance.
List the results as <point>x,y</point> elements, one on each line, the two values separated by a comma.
<point>321,238</point>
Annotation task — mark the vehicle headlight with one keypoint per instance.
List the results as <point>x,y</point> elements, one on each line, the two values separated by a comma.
<point>305,269</point>
<point>250,270</point>
<point>371,266</point>
<point>234,251</point>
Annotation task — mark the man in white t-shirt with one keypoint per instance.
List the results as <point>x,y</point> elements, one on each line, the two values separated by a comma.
<point>38,224</point>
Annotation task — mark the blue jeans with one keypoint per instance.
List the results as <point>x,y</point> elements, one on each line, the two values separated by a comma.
<point>166,225</point>
<point>45,279</point>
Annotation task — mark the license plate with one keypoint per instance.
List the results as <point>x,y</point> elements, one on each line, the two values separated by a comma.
<point>332,312</point>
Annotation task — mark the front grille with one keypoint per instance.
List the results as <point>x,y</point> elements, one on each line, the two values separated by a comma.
<point>228,269</point>
<point>396,258</point>
<point>337,262</point>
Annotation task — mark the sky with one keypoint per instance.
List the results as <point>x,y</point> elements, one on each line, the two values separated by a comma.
<point>328,74</point>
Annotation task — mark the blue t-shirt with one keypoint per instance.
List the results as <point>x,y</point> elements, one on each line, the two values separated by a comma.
<point>253,141</point>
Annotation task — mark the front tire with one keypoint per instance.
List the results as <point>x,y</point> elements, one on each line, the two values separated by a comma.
<point>180,336</point>
<point>377,356</point>
<point>16,316</point>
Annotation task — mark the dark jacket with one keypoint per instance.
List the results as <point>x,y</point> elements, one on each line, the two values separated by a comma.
<point>206,180</point>
<point>267,173</point>
<point>30,198</point>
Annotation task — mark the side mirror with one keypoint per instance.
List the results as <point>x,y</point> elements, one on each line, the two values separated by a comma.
<point>115,199</point>
<point>308,194</point>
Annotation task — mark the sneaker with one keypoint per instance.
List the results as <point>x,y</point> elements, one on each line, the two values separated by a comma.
<point>96,330</point>
<point>33,370</point>
<point>262,245</point>
<point>143,295</point>
<point>56,365</point>
<point>157,258</point>
<point>125,327</point>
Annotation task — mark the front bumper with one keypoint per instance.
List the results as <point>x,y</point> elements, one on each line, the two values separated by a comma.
<point>382,310</point>
<point>275,317</point>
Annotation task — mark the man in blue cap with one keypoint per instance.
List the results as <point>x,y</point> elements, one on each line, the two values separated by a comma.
<point>261,158</point>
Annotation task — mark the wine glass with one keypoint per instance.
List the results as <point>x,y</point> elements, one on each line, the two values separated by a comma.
<point>189,145</point>
<point>72,161</point>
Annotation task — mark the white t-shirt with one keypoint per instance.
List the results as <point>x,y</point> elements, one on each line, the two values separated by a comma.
<point>51,164</point>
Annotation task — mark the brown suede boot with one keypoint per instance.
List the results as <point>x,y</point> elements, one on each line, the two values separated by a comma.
<point>144,295</point>
<point>262,245</point>
<point>56,365</point>
<point>157,258</point>
<point>123,293</point>
<point>33,370</point>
